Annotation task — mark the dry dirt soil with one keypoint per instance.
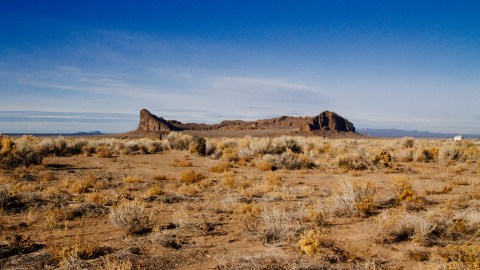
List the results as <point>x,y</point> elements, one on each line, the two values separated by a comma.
<point>178,210</point>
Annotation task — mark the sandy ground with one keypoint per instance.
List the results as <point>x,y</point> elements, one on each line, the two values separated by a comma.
<point>202,226</point>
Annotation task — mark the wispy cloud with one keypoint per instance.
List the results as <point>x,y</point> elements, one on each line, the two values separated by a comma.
<point>417,122</point>
<point>45,116</point>
<point>257,108</point>
<point>53,122</point>
<point>267,90</point>
<point>97,83</point>
<point>256,84</point>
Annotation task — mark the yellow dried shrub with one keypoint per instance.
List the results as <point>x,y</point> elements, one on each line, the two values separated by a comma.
<point>264,165</point>
<point>183,163</point>
<point>154,191</point>
<point>191,176</point>
<point>311,241</point>
<point>222,167</point>
<point>132,179</point>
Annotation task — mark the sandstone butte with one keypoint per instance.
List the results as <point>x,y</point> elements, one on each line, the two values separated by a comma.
<point>326,120</point>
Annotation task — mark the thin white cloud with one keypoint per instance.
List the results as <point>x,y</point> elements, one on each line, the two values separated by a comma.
<point>417,122</point>
<point>255,84</point>
<point>258,92</point>
<point>99,83</point>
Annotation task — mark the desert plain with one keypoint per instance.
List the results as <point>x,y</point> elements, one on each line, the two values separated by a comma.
<point>277,202</point>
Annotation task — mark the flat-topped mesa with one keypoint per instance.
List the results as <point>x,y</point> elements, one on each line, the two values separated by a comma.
<point>324,121</point>
<point>150,122</point>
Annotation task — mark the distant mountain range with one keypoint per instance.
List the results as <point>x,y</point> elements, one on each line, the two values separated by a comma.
<point>88,133</point>
<point>91,133</point>
<point>410,133</point>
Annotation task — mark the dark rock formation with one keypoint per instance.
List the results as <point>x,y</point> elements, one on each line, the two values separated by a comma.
<point>330,121</point>
<point>149,122</point>
<point>325,121</point>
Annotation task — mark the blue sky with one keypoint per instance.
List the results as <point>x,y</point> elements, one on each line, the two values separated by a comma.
<point>68,66</point>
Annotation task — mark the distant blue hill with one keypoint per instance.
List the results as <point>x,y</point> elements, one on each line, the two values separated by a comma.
<point>91,133</point>
<point>397,133</point>
<point>88,133</point>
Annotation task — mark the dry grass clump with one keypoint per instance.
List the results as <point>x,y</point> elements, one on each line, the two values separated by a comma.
<point>21,152</point>
<point>273,179</point>
<point>427,154</point>
<point>97,198</point>
<point>61,146</point>
<point>6,179</point>
<point>222,167</point>
<point>450,152</point>
<point>230,180</point>
<point>76,253</point>
<point>262,260</point>
<point>382,159</point>
<point>6,145</point>
<point>408,142</point>
<point>404,189</point>
<point>151,146</point>
<point>103,151</point>
<point>465,256</point>
<point>444,190</point>
<point>419,255</point>
<point>132,179</point>
<point>316,148</point>
<point>399,226</point>
<point>160,177</point>
<point>278,225</point>
<point>311,241</point>
<point>154,191</point>
<point>179,141</point>
<point>182,163</point>
<point>83,185</point>
<point>104,147</point>
<point>354,199</point>
<point>188,190</point>
<point>271,182</point>
<point>191,177</point>
<point>353,161</point>
<point>273,146</point>
<point>314,215</point>
<point>230,154</point>
<point>169,239</point>
<point>264,165</point>
<point>130,217</point>
<point>116,264</point>
<point>198,145</point>
<point>405,155</point>
<point>290,160</point>
<point>24,188</point>
<point>248,215</point>
<point>55,219</point>
<point>277,153</point>
<point>4,197</point>
<point>434,228</point>
<point>46,176</point>
<point>140,146</point>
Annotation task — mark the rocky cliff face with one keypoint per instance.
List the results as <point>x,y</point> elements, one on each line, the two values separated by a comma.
<point>150,122</point>
<point>330,121</point>
<point>325,121</point>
